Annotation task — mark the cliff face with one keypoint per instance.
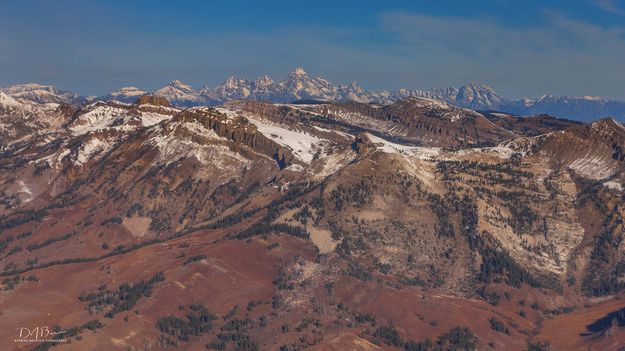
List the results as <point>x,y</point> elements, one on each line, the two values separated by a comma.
<point>153,100</point>
<point>434,123</point>
<point>238,130</point>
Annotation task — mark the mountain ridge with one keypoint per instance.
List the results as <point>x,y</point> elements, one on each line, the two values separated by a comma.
<point>300,86</point>
<point>334,219</point>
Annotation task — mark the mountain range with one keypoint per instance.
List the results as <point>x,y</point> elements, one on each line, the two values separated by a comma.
<point>334,225</point>
<point>300,86</point>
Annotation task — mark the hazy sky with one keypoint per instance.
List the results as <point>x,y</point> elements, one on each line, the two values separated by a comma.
<point>520,48</point>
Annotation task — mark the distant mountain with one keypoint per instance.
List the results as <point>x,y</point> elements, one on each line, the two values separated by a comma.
<point>42,94</point>
<point>126,94</point>
<point>299,86</point>
<point>21,118</point>
<point>529,126</point>
<point>180,94</point>
<point>584,107</point>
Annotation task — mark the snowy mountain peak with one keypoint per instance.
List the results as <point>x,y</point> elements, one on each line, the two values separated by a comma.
<point>180,94</point>
<point>234,82</point>
<point>263,82</point>
<point>180,85</point>
<point>41,94</point>
<point>125,94</point>
<point>298,85</point>
<point>134,91</point>
<point>594,98</point>
<point>204,89</point>
<point>128,89</point>
<point>299,71</point>
<point>20,88</point>
<point>476,95</point>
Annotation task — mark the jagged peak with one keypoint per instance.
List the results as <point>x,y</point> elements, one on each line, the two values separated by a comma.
<point>322,80</point>
<point>299,71</point>
<point>263,81</point>
<point>264,78</point>
<point>180,85</point>
<point>233,82</point>
<point>204,89</point>
<point>354,87</point>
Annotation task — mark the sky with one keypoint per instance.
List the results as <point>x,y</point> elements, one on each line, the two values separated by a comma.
<point>521,48</point>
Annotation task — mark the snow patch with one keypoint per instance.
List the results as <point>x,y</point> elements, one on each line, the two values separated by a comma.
<point>118,118</point>
<point>92,147</point>
<point>172,148</point>
<point>613,185</point>
<point>24,189</point>
<point>392,148</point>
<point>592,167</point>
<point>303,145</point>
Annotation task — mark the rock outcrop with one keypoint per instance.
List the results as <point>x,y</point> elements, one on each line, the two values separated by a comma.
<point>153,100</point>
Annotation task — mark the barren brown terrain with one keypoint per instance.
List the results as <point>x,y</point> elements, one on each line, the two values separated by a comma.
<point>322,226</point>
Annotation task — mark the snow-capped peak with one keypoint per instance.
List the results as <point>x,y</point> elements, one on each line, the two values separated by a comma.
<point>180,94</point>
<point>128,91</point>
<point>41,93</point>
<point>263,82</point>
<point>234,82</point>
<point>593,98</point>
<point>125,94</point>
<point>19,88</point>
<point>300,86</point>
<point>299,71</point>
<point>477,95</point>
<point>180,85</point>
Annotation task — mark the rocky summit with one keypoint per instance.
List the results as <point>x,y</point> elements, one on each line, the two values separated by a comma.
<point>325,225</point>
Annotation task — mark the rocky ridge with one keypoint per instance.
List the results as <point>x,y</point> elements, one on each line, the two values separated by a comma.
<point>352,224</point>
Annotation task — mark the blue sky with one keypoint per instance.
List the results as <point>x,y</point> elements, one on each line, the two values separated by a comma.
<point>521,48</point>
